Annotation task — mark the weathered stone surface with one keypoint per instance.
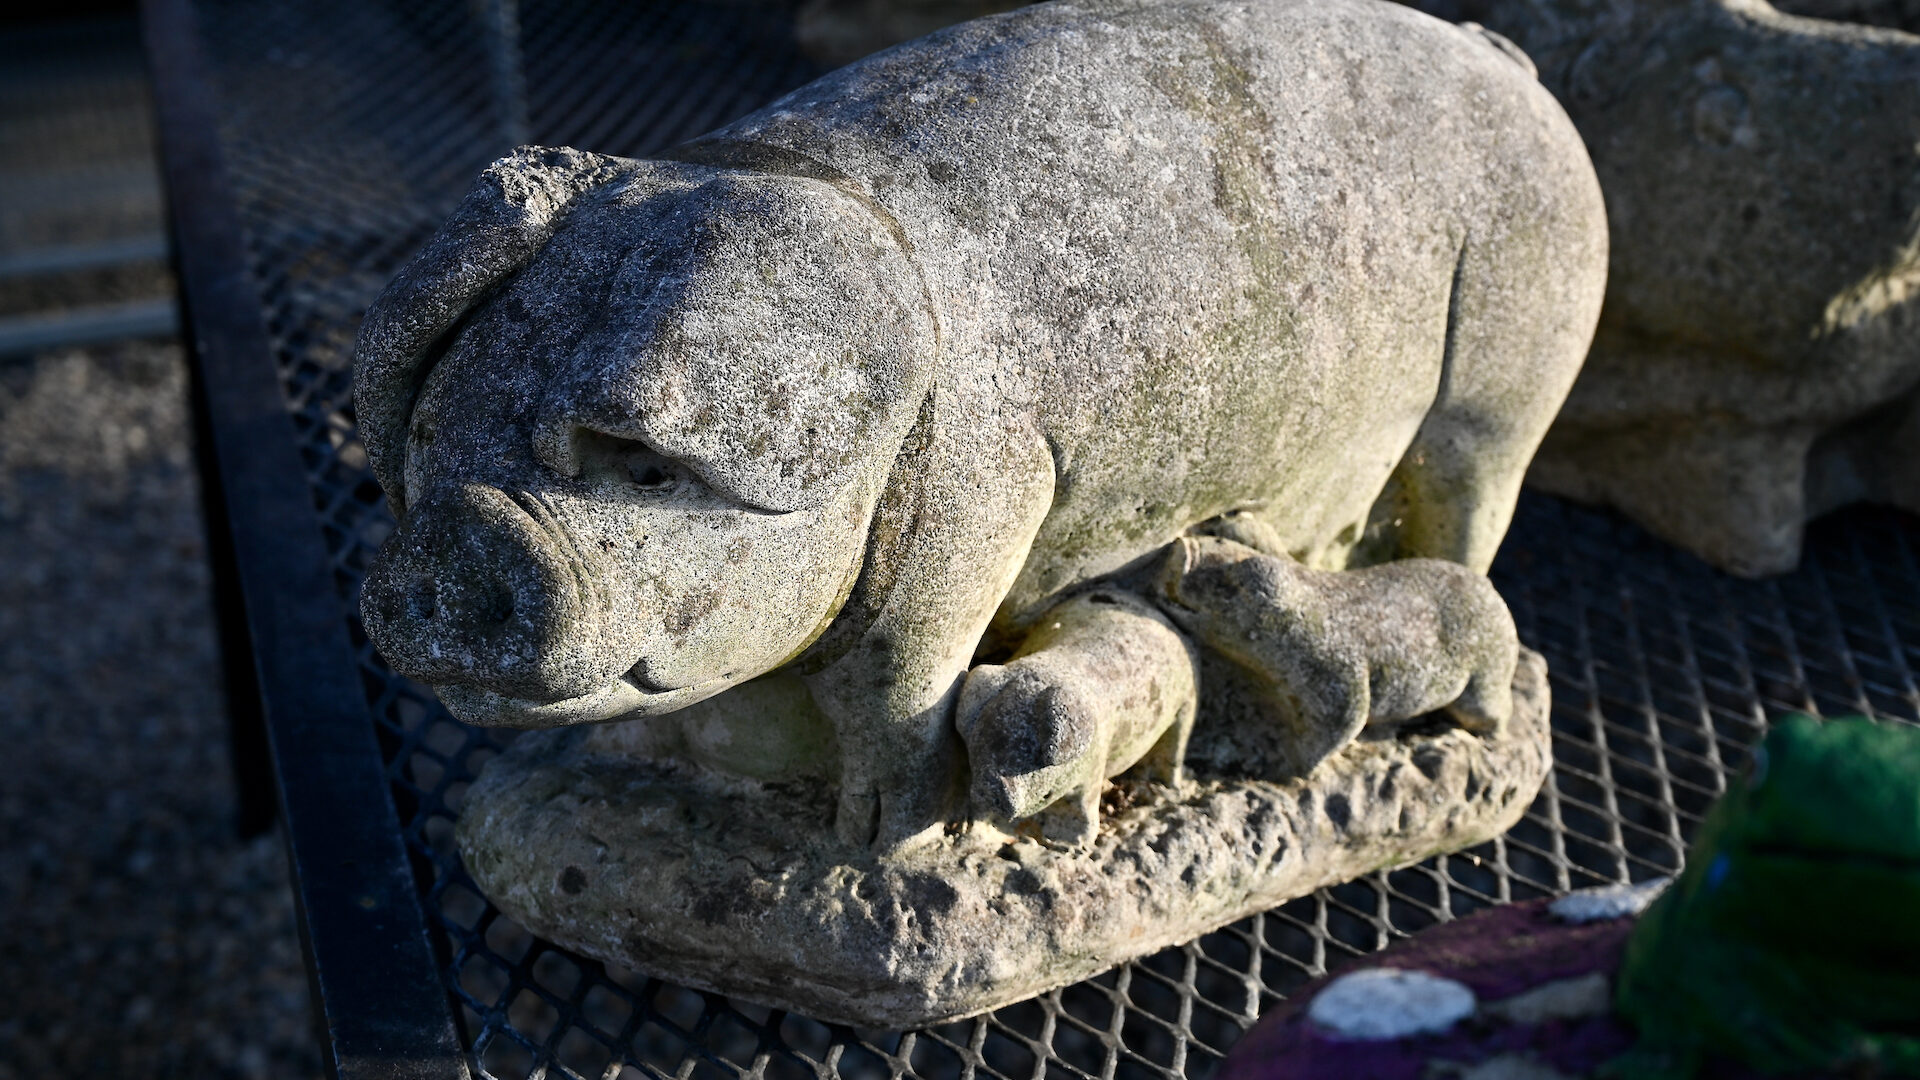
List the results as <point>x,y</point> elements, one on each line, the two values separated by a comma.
<point>740,887</point>
<point>1336,651</point>
<point>1757,358</point>
<point>1893,14</point>
<point>858,388</point>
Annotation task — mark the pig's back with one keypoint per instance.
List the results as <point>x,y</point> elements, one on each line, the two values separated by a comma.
<point>1207,247</point>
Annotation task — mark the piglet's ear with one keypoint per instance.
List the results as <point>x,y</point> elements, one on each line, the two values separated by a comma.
<point>1064,727</point>
<point>509,215</point>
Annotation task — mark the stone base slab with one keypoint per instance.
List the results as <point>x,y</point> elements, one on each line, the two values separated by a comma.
<point>741,888</point>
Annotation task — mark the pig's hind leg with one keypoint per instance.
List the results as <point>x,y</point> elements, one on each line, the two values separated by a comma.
<point>1519,319</point>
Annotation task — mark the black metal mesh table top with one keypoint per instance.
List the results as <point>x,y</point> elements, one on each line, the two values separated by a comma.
<point>348,130</point>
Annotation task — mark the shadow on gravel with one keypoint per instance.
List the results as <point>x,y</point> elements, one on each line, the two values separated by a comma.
<point>138,937</point>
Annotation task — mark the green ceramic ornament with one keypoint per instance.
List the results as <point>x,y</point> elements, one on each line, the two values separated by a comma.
<point>1791,943</point>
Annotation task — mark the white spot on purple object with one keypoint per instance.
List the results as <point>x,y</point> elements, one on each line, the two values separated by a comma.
<point>1389,1003</point>
<point>1608,901</point>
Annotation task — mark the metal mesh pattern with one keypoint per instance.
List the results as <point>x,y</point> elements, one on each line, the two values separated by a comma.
<point>351,128</point>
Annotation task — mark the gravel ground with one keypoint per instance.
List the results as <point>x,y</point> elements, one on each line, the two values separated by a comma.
<point>138,937</point>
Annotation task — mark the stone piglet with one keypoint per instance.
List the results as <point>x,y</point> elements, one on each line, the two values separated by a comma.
<point>952,333</point>
<point>1103,684</point>
<point>1345,649</point>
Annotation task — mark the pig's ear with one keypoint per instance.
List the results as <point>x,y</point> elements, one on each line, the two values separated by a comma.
<point>509,215</point>
<point>788,357</point>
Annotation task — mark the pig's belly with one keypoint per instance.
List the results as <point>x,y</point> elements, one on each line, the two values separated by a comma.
<point>1122,500</point>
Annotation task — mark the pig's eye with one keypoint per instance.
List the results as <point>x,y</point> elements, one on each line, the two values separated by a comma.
<point>652,475</point>
<point>622,464</point>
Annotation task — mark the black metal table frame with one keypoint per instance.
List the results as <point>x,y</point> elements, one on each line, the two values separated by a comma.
<point>292,679</point>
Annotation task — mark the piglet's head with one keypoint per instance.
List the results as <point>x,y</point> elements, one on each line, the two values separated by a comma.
<point>634,418</point>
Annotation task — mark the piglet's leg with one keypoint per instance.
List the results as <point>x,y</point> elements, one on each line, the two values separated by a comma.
<point>1484,706</point>
<point>1083,823</point>
<point>1166,762</point>
<point>1258,612</point>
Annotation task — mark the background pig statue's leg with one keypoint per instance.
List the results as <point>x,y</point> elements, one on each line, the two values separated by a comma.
<point>890,692</point>
<point>1873,459</point>
<point>1733,492</point>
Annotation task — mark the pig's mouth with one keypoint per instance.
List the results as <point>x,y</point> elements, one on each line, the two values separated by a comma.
<point>627,695</point>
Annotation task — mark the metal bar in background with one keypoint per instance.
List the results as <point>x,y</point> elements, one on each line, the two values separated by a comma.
<point>256,796</point>
<point>58,260</point>
<point>90,325</point>
<point>378,992</point>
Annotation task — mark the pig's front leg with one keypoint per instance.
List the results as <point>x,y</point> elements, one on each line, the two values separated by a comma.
<point>948,548</point>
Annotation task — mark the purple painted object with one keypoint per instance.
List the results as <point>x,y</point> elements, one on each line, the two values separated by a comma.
<point>1498,953</point>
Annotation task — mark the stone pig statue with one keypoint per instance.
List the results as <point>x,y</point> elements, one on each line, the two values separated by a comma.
<point>1103,684</point>
<point>930,342</point>
<point>1758,357</point>
<point>1349,649</point>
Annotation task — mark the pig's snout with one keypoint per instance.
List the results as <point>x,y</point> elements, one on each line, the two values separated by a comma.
<point>479,588</point>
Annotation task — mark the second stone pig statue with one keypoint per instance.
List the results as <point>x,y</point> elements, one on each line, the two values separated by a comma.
<point>1758,360</point>
<point>850,395</point>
